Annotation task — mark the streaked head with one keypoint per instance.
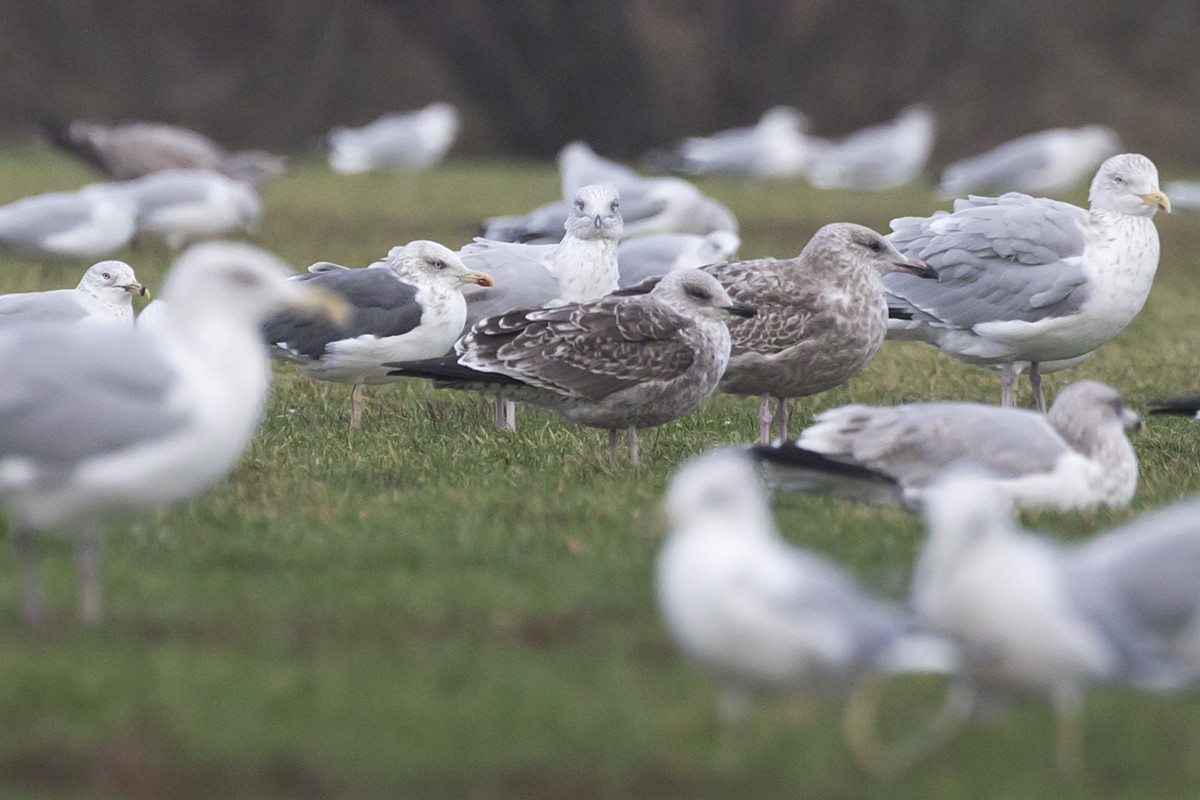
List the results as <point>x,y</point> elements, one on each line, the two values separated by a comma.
<point>721,488</point>
<point>595,214</point>
<point>855,247</point>
<point>425,262</point>
<point>112,281</point>
<point>698,295</point>
<point>1086,409</point>
<point>1128,184</point>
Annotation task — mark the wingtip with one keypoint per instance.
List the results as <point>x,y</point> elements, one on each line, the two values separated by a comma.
<point>1175,406</point>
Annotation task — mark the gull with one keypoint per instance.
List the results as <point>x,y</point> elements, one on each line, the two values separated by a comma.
<point>1177,406</point>
<point>762,615</point>
<point>1184,194</point>
<point>821,317</point>
<point>412,141</point>
<point>878,157</point>
<point>654,256</point>
<point>1047,161</point>
<point>1031,283</point>
<point>104,294</point>
<point>615,363</point>
<point>409,306</point>
<point>580,268</point>
<point>775,147</point>
<point>186,204</point>
<point>133,149</point>
<point>99,426</point>
<point>89,223</point>
<point>1075,457</point>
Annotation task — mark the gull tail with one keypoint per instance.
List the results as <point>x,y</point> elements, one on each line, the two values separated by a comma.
<point>1177,406</point>
<point>788,466</point>
<point>449,373</point>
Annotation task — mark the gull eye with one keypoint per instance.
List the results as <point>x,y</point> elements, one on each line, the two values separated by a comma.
<point>1118,179</point>
<point>699,294</point>
<point>875,245</point>
<point>437,263</point>
<point>579,205</point>
<point>615,205</point>
<point>106,275</point>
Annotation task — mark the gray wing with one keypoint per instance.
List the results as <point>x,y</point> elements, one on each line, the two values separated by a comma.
<point>587,350</point>
<point>164,189</point>
<point>521,279</point>
<point>31,221</point>
<point>57,306</point>
<point>653,256</point>
<point>1007,258</point>
<point>68,395</point>
<point>1000,168</point>
<point>543,224</point>
<point>383,306</point>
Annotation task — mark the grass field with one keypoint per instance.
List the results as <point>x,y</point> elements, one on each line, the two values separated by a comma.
<point>432,608</point>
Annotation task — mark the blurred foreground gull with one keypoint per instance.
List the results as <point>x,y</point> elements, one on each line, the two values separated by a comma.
<point>1028,282</point>
<point>86,224</point>
<point>654,256</point>
<point>1033,615</point>
<point>408,306</point>
<point>648,205</point>
<point>762,615</point>
<point>821,317</point>
<point>133,149</point>
<point>878,157</point>
<point>1077,456</point>
<point>412,141</point>
<point>615,363</point>
<point>98,426</point>
<point>775,147</point>
<point>104,294</point>
<point>182,205</point>
<point>1048,161</point>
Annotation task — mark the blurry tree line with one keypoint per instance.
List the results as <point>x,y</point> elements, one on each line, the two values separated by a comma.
<point>530,75</point>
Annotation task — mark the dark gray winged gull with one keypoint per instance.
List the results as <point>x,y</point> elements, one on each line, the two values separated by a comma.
<point>762,615</point>
<point>409,306</point>
<point>1031,283</point>
<point>411,141</point>
<point>103,426</point>
<point>1047,161</point>
<point>104,295</point>
<point>1075,457</point>
<point>775,147</point>
<point>183,205</point>
<point>133,149</point>
<point>821,317</point>
<point>1177,406</point>
<point>881,156</point>
<point>1032,615</point>
<point>654,256</point>
<point>86,224</point>
<point>618,363</point>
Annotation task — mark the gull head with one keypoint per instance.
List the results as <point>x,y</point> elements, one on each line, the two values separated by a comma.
<point>1086,410</point>
<point>112,282</point>
<point>1101,140</point>
<point>240,284</point>
<point>1128,184</point>
<point>857,247</point>
<point>719,489</point>
<point>595,214</point>
<point>440,120</point>
<point>719,246</point>
<point>783,118</point>
<point>423,262</point>
<point>698,295</point>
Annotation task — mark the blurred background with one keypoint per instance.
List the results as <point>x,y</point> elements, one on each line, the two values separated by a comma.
<point>625,75</point>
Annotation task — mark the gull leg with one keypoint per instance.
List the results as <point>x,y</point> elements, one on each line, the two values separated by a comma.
<point>510,415</point>
<point>88,554</point>
<point>781,417</point>
<point>613,438</point>
<point>1035,381</point>
<point>498,403</point>
<point>1006,382</point>
<point>633,447</point>
<point>764,420</point>
<point>1068,747</point>
<point>734,706</point>
<point>356,404</point>
<point>32,609</point>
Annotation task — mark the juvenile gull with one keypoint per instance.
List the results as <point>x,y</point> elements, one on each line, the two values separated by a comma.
<point>821,317</point>
<point>762,615</point>
<point>101,426</point>
<point>130,150</point>
<point>1028,282</point>
<point>615,363</point>
<point>86,224</point>
<point>654,256</point>
<point>186,204</point>
<point>104,294</point>
<point>774,147</point>
<point>1047,161</point>
<point>1075,457</point>
<point>407,307</point>
<point>412,141</point>
<point>878,157</point>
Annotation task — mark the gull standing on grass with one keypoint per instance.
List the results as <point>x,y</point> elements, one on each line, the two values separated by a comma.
<point>410,141</point>
<point>407,307</point>
<point>580,268</point>
<point>103,425</point>
<point>1076,457</point>
<point>881,156</point>
<point>775,147</point>
<point>1031,283</point>
<point>87,224</point>
<point>618,363</point>
<point>182,205</point>
<point>104,294</point>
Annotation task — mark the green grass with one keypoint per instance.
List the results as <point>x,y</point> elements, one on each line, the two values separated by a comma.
<point>431,608</point>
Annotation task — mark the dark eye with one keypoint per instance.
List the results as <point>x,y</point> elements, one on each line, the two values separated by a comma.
<point>243,278</point>
<point>875,246</point>
<point>699,294</point>
<point>1118,179</point>
<point>615,205</point>
<point>579,205</point>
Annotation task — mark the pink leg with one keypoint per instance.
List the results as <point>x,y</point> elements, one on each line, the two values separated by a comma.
<point>356,404</point>
<point>1035,381</point>
<point>781,416</point>
<point>764,420</point>
<point>633,447</point>
<point>613,438</point>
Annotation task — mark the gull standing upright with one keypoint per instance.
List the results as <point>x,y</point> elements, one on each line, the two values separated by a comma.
<point>104,294</point>
<point>1028,282</point>
<point>103,425</point>
<point>580,268</point>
